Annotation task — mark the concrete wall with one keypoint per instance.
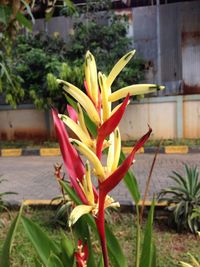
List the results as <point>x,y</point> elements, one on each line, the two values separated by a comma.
<point>25,123</point>
<point>169,117</point>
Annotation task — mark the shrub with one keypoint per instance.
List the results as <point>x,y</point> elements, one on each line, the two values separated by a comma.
<point>184,197</point>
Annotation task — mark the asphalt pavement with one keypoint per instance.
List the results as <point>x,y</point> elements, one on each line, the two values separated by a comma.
<point>32,177</point>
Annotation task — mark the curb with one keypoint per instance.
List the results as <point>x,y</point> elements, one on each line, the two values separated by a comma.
<point>45,152</point>
<point>125,206</point>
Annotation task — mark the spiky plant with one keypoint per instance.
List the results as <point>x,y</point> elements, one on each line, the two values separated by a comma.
<point>183,197</point>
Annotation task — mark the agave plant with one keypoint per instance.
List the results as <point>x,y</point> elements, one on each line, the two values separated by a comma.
<point>183,198</point>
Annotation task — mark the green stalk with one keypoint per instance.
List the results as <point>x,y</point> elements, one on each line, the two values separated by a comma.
<point>138,237</point>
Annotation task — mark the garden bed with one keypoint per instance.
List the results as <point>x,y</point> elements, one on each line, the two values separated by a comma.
<point>171,246</point>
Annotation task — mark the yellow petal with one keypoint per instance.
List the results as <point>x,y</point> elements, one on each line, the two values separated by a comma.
<point>118,67</point>
<point>76,129</point>
<point>90,193</point>
<point>87,75</point>
<point>118,106</point>
<point>111,150</point>
<point>117,149</point>
<point>138,89</point>
<point>83,99</point>
<point>184,264</point>
<point>77,212</point>
<point>91,156</point>
<point>93,76</point>
<point>82,120</point>
<point>194,261</point>
<point>109,202</point>
<point>104,96</point>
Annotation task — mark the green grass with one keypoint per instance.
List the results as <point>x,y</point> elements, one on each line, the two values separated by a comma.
<point>27,144</point>
<point>149,143</point>
<point>172,247</point>
<point>166,142</point>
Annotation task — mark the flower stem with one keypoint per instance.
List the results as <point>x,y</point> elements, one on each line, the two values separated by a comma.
<point>138,237</point>
<point>100,222</point>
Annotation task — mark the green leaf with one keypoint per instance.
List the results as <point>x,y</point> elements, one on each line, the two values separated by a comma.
<point>100,263</point>
<point>40,240</point>
<point>7,246</point>
<point>72,194</point>
<point>81,227</point>
<point>67,251</point>
<point>54,261</point>
<point>131,182</point>
<point>37,263</point>
<point>147,248</point>
<point>23,21</point>
<point>117,257</point>
<point>116,254</point>
<point>154,256</point>
<point>5,12</point>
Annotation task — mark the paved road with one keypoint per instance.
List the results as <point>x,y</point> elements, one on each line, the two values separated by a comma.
<point>33,176</point>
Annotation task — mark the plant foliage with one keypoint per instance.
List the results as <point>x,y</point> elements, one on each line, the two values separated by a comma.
<point>183,197</point>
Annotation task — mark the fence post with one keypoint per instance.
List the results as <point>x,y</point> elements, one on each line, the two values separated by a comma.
<point>179,116</point>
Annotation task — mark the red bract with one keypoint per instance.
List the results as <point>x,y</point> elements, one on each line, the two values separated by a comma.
<point>106,186</point>
<point>112,181</point>
<point>109,126</point>
<point>72,160</point>
<point>72,113</point>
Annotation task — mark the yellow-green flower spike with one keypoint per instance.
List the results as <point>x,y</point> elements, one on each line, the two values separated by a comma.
<point>138,89</point>
<point>106,106</point>
<point>118,106</point>
<point>90,194</point>
<point>77,212</point>
<point>82,120</point>
<point>118,67</point>
<point>92,68</point>
<point>83,99</point>
<point>76,129</point>
<point>91,156</point>
<point>111,151</point>
<point>184,264</point>
<point>87,74</point>
<point>117,149</point>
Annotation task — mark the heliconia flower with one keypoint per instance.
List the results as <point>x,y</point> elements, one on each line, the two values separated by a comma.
<point>73,163</point>
<point>91,77</point>
<point>81,254</point>
<point>109,125</point>
<point>114,151</point>
<point>72,113</point>
<point>97,103</point>
<point>119,66</point>
<point>92,202</point>
<point>137,89</point>
<point>83,99</point>
<point>77,129</point>
<point>110,182</point>
<point>93,101</point>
